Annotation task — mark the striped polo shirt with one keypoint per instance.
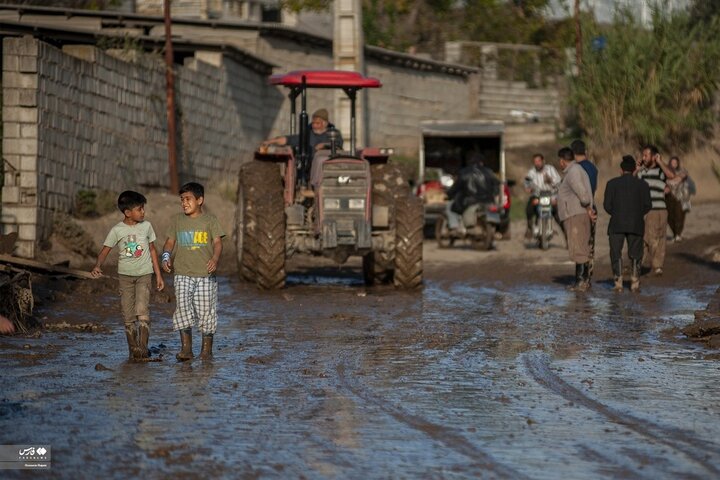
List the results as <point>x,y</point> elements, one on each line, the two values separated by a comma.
<point>655,178</point>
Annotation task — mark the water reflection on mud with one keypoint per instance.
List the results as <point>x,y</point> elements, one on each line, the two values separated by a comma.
<point>329,379</point>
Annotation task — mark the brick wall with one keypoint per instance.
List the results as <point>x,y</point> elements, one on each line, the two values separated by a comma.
<point>79,118</point>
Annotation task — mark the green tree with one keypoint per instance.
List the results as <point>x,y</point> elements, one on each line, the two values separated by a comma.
<point>648,85</point>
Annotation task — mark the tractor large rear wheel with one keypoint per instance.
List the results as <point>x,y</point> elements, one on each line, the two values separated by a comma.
<point>388,185</point>
<point>259,183</point>
<point>270,236</point>
<point>409,223</point>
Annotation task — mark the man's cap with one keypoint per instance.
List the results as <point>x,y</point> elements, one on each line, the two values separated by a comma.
<point>628,163</point>
<point>321,113</point>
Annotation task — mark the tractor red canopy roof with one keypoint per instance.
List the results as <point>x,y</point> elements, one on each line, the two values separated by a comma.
<point>325,79</point>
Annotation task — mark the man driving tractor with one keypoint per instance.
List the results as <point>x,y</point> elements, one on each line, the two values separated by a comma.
<point>319,137</point>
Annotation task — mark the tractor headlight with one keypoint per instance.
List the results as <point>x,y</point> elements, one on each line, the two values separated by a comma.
<point>357,203</point>
<point>544,201</point>
<point>331,204</point>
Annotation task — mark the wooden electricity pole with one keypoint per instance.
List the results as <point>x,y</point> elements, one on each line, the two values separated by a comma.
<point>578,37</point>
<point>170,90</point>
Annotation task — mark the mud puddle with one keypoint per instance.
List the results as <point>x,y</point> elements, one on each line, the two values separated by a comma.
<point>329,379</point>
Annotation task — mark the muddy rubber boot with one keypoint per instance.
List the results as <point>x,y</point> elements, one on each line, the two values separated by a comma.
<point>617,273</point>
<point>185,352</point>
<point>635,276</point>
<point>582,277</point>
<point>143,337</point>
<point>132,340</point>
<point>207,345</point>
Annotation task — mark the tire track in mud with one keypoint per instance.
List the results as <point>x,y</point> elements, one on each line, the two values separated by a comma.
<point>445,435</point>
<point>538,367</point>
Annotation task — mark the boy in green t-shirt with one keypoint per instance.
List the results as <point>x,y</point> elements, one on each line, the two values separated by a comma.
<point>198,237</point>
<point>136,264</point>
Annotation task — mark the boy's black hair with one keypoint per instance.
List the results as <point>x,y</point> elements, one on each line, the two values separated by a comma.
<point>130,199</point>
<point>578,147</point>
<point>566,153</point>
<point>539,155</point>
<point>193,187</point>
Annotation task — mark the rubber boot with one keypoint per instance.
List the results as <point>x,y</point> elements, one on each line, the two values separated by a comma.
<point>207,345</point>
<point>587,272</point>
<point>617,273</point>
<point>143,337</point>
<point>579,274</point>
<point>582,277</point>
<point>635,276</point>
<point>185,352</point>
<point>132,340</point>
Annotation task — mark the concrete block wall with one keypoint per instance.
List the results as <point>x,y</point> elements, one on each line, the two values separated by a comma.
<point>409,96</point>
<point>20,116</point>
<point>79,118</point>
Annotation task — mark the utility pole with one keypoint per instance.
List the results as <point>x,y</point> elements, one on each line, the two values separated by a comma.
<point>578,38</point>
<point>348,54</point>
<point>170,91</point>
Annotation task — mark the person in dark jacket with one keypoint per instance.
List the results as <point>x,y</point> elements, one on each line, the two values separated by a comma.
<point>476,184</point>
<point>627,200</point>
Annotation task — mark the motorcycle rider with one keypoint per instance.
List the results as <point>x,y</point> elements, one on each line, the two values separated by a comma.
<point>539,178</point>
<point>476,184</point>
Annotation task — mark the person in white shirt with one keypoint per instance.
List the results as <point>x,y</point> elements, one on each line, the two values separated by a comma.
<point>539,178</point>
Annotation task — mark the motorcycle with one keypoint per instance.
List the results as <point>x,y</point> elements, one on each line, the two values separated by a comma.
<point>478,226</point>
<point>543,229</point>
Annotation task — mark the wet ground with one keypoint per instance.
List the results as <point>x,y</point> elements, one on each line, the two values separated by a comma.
<point>494,370</point>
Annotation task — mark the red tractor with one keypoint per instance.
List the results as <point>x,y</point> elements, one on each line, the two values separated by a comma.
<point>335,203</point>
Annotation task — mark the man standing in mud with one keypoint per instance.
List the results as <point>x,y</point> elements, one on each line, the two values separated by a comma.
<point>580,153</point>
<point>627,200</point>
<point>655,173</point>
<point>577,212</point>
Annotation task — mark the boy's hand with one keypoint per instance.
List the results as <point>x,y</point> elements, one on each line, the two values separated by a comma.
<point>167,265</point>
<point>212,265</point>
<point>96,272</point>
<point>159,282</point>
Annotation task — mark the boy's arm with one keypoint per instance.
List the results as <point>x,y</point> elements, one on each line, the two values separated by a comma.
<point>167,250</point>
<point>217,251</point>
<point>96,271</point>
<point>159,283</point>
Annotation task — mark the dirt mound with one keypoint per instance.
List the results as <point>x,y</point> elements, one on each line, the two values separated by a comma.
<point>706,327</point>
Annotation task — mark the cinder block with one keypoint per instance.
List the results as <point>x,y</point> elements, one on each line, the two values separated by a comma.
<point>19,214</point>
<point>19,146</point>
<point>11,130</point>
<point>25,249</point>
<point>20,114</point>
<point>28,179</point>
<point>20,80</point>
<point>11,63</point>
<point>27,97</point>
<point>28,163</point>
<point>27,232</point>
<point>28,64</point>
<point>28,130</point>
<point>10,194</point>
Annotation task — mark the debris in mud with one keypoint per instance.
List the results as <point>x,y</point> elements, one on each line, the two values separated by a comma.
<point>706,327</point>
<point>15,286</point>
<point>102,368</point>
<point>80,327</point>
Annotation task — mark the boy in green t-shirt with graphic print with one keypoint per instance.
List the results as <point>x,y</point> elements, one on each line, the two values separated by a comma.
<point>198,237</point>
<point>136,264</point>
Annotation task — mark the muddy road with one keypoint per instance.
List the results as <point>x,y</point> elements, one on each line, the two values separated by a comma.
<point>493,370</point>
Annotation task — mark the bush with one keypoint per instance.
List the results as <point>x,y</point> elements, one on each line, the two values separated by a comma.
<point>648,85</point>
